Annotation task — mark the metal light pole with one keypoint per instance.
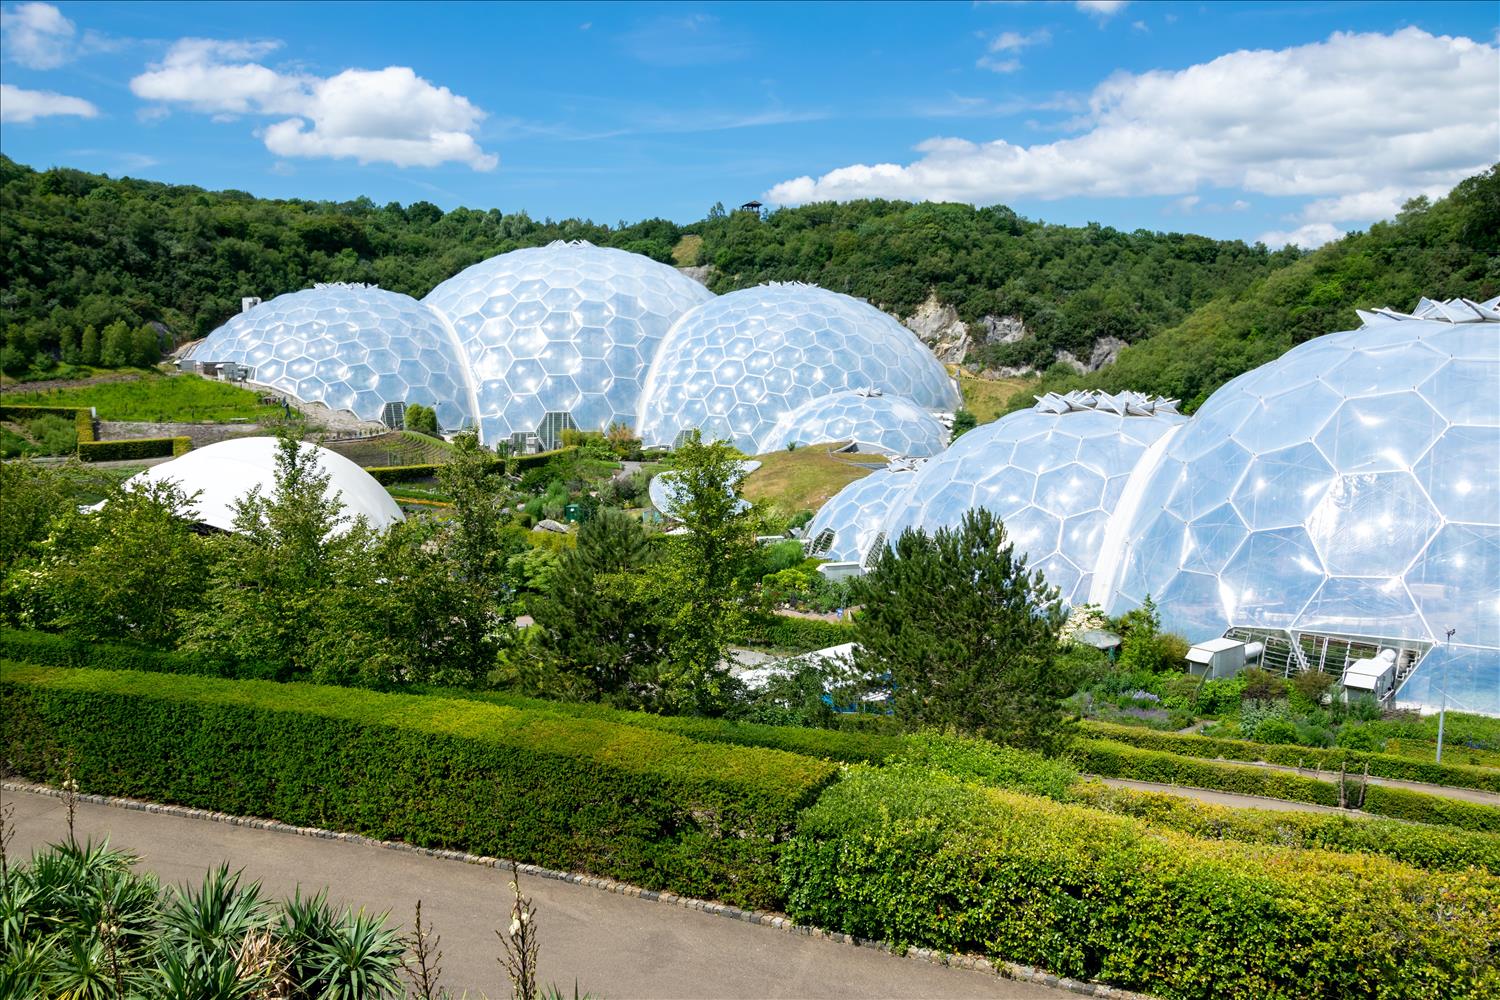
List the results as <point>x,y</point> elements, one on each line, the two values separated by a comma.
<point>1443,711</point>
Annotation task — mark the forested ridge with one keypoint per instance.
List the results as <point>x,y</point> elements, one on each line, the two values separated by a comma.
<point>83,250</point>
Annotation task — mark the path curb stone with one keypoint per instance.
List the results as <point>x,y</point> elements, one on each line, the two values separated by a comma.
<point>766,918</point>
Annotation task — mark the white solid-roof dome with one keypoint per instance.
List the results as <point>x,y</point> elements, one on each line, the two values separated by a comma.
<point>874,421</point>
<point>738,363</point>
<point>1052,474</point>
<point>561,334</point>
<point>225,472</point>
<point>350,347</point>
<point>1352,486</point>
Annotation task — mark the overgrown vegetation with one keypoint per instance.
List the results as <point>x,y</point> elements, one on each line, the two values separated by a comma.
<point>157,398</point>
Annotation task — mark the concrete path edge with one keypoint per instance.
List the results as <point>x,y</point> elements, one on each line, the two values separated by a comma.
<point>978,963</point>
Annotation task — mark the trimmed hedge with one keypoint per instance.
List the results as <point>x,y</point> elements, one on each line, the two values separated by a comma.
<point>1119,760</point>
<point>800,635</point>
<point>918,858</point>
<point>49,649</point>
<point>1415,844</point>
<point>1381,765</point>
<point>82,416</point>
<point>830,744</point>
<point>577,794</point>
<point>386,475</point>
<point>131,448</point>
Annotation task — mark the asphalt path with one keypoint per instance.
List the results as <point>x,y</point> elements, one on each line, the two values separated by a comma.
<point>614,946</point>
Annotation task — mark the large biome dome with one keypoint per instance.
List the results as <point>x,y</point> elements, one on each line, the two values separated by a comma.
<point>737,364</point>
<point>1052,474</point>
<point>560,336</point>
<point>868,418</point>
<point>845,528</point>
<point>1347,489</point>
<point>350,347</point>
<point>225,473</point>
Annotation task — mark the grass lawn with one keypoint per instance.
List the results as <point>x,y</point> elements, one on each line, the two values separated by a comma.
<point>157,398</point>
<point>394,448</point>
<point>987,398</point>
<point>804,479</point>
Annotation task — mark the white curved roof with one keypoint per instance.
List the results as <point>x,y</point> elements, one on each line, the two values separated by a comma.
<point>892,425</point>
<point>225,472</point>
<point>735,365</point>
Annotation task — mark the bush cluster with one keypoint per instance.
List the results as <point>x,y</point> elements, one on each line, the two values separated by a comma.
<point>1119,760</point>
<point>578,794</point>
<point>132,448</point>
<point>1381,765</point>
<point>50,649</point>
<point>1415,844</point>
<point>385,475</point>
<point>919,858</point>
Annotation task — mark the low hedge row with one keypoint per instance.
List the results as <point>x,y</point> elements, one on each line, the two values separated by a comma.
<point>1381,765</point>
<point>388,474</point>
<point>798,635</point>
<point>133,448</point>
<point>648,807</point>
<point>82,416</point>
<point>830,744</point>
<point>919,858</point>
<point>1119,760</point>
<point>48,649</point>
<point>1415,844</point>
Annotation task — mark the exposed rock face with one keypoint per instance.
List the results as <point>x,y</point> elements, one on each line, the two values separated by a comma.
<point>1106,350</point>
<point>1003,329</point>
<point>699,273</point>
<point>938,326</point>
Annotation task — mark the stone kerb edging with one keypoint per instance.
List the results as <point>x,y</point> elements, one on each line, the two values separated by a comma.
<point>765,918</point>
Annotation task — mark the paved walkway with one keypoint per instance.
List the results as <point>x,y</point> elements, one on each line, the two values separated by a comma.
<point>1231,799</point>
<point>616,946</point>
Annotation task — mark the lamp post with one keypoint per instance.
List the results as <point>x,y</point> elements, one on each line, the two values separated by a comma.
<point>1443,710</point>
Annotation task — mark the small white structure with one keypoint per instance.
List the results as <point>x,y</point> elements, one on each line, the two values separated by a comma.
<point>223,473</point>
<point>1215,658</point>
<point>832,571</point>
<point>1375,676</point>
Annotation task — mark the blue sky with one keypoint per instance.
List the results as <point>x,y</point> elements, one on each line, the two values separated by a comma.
<point>1275,121</point>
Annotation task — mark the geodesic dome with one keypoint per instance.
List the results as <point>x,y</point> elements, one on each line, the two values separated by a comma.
<point>845,528</point>
<point>226,472</point>
<point>872,420</point>
<point>1349,488</point>
<point>350,347</point>
<point>560,336</point>
<point>1053,474</point>
<point>735,365</point>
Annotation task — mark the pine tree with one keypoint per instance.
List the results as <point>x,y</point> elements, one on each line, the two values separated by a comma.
<point>68,345</point>
<point>88,351</point>
<point>966,634</point>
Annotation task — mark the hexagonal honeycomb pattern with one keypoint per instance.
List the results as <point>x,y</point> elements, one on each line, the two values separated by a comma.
<point>734,366</point>
<point>1052,478</point>
<point>873,421</point>
<point>565,328</point>
<point>349,347</point>
<point>1350,486</point>
<point>845,528</point>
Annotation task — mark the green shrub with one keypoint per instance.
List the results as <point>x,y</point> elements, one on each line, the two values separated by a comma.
<point>1417,844</point>
<point>919,858</point>
<point>386,475</point>
<point>797,635</point>
<point>1353,736</point>
<point>47,649</point>
<point>990,763</point>
<point>577,794</point>
<point>1381,765</point>
<point>1119,760</point>
<point>132,448</point>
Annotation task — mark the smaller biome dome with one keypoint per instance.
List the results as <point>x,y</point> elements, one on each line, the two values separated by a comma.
<point>847,527</point>
<point>1349,488</point>
<point>1052,474</point>
<point>867,418</point>
<point>559,337</point>
<point>226,472</point>
<point>349,347</point>
<point>663,490</point>
<point>737,364</point>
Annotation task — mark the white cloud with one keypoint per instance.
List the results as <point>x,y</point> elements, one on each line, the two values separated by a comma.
<point>1101,8</point>
<point>19,105</point>
<point>390,115</point>
<point>1349,121</point>
<point>37,35</point>
<point>1308,237</point>
<point>1001,57</point>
